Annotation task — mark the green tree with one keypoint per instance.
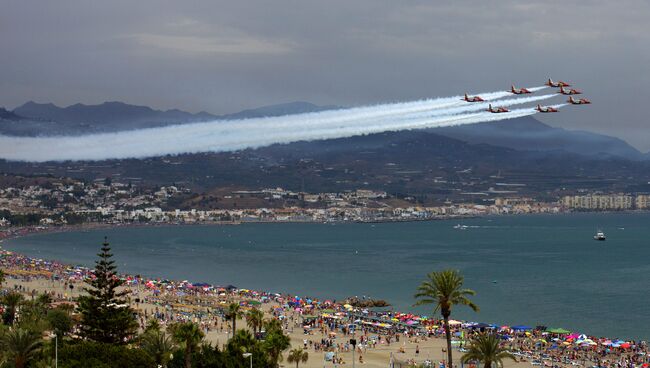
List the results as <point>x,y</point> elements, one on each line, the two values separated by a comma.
<point>255,319</point>
<point>275,342</point>
<point>105,314</point>
<point>84,353</point>
<point>59,321</point>
<point>444,289</point>
<point>33,312</point>
<point>11,302</point>
<point>232,313</point>
<point>486,349</point>
<point>297,355</point>
<point>21,347</point>
<point>189,335</point>
<point>157,345</point>
<point>244,342</point>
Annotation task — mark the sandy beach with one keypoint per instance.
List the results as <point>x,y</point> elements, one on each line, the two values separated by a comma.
<point>320,327</point>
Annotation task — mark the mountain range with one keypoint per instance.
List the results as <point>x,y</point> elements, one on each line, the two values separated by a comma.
<point>522,134</point>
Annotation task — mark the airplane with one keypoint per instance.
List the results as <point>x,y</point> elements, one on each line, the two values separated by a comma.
<point>518,91</point>
<point>546,109</point>
<point>550,83</point>
<point>569,92</point>
<point>473,98</point>
<point>497,110</point>
<point>581,101</point>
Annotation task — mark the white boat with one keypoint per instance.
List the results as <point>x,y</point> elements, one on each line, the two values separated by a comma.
<point>600,235</point>
<point>460,227</point>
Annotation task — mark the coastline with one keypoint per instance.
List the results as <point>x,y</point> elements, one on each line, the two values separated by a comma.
<point>18,232</point>
<point>305,318</point>
<point>320,290</point>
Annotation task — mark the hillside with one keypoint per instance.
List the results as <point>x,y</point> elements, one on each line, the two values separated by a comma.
<point>429,166</point>
<point>529,134</point>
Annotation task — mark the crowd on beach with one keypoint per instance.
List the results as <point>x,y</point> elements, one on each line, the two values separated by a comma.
<point>327,326</point>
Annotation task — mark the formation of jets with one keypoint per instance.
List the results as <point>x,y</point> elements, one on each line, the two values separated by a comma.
<point>543,109</point>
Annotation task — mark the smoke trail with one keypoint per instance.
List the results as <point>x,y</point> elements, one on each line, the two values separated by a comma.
<point>220,136</point>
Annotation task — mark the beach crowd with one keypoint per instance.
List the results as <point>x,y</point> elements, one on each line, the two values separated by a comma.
<point>326,327</point>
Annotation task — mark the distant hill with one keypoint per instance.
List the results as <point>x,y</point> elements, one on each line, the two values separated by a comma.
<point>529,134</point>
<point>108,116</point>
<point>432,167</point>
<point>49,119</point>
<point>9,115</point>
<point>298,107</point>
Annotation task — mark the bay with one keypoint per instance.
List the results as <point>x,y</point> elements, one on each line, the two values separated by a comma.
<point>533,269</point>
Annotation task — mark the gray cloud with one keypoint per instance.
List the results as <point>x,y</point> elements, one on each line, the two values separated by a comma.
<point>223,56</point>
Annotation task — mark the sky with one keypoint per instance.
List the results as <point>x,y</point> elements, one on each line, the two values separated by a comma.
<point>224,56</point>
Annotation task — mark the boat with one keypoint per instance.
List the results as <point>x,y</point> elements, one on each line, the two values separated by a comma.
<point>600,235</point>
<point>461,227</point>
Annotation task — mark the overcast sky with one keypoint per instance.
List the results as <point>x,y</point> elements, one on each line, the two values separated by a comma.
<point>223,56</point>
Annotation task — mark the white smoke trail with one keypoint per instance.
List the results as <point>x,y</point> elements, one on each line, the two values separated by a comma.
<point>220,136</point>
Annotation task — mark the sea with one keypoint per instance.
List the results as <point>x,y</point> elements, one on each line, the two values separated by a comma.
<point>530,269</point>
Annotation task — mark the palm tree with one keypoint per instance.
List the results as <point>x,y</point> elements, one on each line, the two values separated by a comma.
<point>272,324</point>
<point>158,346</point>
<point>444,289</point>
<point>11,302</point>
<point>255,319</point>
<point>275,342</point>
<point>485,349</point>
<point>297,355</point>
<point>242,342</point>
<point>233,312</point>
<point>21,347</point>
<point>189,335</point>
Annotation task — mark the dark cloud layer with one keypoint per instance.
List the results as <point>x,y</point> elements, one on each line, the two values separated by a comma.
<point>222,56</point>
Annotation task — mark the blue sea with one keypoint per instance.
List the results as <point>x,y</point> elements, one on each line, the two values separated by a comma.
<point>533,269</point>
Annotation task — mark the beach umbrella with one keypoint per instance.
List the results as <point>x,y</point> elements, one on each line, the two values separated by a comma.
<point>521,328</point>
<point>560,331</point>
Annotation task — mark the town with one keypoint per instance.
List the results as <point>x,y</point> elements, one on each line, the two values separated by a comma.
<point>52,202</point>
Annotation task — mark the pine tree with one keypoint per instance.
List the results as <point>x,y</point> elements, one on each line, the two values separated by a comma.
<point>105,314</point>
